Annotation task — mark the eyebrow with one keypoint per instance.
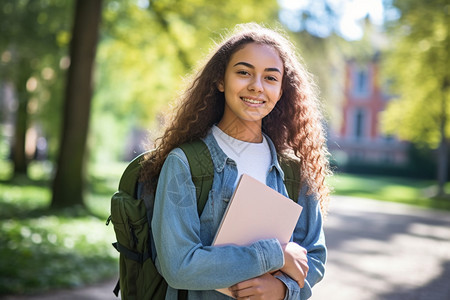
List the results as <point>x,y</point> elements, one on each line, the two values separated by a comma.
<point>252,67</point>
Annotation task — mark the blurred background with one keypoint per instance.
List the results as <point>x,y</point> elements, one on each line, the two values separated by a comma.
<point>86,85</point>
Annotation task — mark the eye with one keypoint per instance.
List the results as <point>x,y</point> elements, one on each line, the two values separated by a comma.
<point>243,72</point>
<point>272,78</point>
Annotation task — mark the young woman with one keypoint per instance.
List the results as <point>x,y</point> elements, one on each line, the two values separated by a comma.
<point>251,101</point>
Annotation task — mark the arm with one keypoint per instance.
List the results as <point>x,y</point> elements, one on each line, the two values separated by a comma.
<point>182,258</point>
<point>309,235</point>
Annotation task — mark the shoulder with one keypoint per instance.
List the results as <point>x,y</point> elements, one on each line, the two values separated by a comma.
<point>178,153</point>
<point>176,157</point>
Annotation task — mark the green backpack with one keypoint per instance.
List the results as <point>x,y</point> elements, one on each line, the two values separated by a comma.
<point>131,218</point>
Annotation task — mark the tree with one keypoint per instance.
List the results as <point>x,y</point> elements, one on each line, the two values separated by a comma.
<point>31,46</point>
<point>418,66</point>
<point>68,184</point>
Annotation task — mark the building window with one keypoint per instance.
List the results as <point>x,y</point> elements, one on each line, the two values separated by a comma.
<point>361,82</point>
<point>359,128</point>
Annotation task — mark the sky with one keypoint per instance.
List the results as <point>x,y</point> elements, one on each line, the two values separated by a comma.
<point>352,12</point>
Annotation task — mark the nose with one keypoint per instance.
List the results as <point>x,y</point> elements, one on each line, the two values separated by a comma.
<point>256,85</point>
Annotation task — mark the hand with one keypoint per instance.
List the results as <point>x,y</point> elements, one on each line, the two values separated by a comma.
<point>263,287</point>
<point>296,262</point>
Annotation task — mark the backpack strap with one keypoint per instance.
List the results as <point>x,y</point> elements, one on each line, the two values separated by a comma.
<point>292,175</point>
<point>202,170</point>
<point>202,173</point>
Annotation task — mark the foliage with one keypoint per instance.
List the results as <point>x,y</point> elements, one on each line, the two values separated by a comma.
<point>42,249</point>
<point>52,251</point>
<point>418,65</point>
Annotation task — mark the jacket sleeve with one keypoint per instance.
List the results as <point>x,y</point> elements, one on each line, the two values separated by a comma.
<point>182,259</point>
<point>308,234</point>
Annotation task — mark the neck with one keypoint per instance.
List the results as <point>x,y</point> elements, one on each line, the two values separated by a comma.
<point>244,131</point>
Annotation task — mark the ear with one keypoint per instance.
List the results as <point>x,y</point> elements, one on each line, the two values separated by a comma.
<point>220,86</point>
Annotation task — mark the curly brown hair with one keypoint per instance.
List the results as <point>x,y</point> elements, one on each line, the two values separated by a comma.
<point>295,125</point>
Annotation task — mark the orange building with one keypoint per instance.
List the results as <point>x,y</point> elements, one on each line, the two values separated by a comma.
<point>359,138</point>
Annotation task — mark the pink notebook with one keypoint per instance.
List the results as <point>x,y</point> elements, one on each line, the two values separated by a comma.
<point>256,212</point>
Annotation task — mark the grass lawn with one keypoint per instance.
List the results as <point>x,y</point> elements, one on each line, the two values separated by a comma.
<point>395,189</point>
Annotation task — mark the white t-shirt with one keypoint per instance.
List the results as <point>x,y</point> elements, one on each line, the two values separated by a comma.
<point>251,158</point>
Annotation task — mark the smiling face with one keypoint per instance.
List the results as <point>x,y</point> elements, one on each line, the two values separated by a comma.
<point>252,86</point>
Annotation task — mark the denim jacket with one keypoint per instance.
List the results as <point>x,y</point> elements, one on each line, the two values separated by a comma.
<point>183,240</point>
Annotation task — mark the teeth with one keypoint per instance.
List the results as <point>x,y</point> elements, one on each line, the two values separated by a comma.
<point>252,101</point>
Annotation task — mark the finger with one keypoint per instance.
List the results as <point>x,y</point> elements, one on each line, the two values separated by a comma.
<point>244,293</point>
<point>241,285</point>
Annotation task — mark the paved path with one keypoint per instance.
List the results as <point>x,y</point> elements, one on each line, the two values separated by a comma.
<point>377,251</point>
<point>101,291</point>
<point>380,250</point>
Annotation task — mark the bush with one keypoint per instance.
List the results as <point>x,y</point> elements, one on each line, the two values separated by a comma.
<point>42,249</point>
<point>422,165</point>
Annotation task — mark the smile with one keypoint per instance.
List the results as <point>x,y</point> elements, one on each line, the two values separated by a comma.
<point>252,101</point>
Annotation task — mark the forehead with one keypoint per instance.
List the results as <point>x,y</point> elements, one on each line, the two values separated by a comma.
<point>258,55</point>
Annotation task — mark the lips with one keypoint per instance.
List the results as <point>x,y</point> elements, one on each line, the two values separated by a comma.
<point>252,101</point>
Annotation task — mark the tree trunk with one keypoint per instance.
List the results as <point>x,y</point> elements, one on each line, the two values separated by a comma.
<point>18,153</point>
<point>442,167</point>
<point>68,184</point>
<point>442,164</point>
<point>20,129</point>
